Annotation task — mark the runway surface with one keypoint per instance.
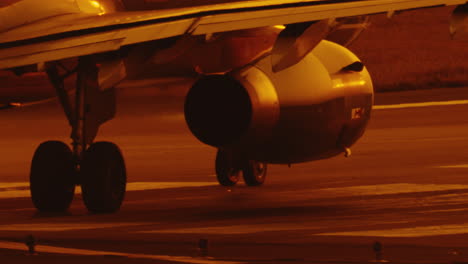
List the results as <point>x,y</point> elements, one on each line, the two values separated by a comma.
<point>405,186</point>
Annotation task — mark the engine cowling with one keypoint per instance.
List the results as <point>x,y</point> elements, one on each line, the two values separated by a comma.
<point>309,111</point>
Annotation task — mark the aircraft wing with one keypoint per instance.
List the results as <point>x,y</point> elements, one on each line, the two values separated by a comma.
<point>66,34</point>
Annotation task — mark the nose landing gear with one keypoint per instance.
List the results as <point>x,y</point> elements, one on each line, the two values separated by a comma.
<point>227,169</point>
<point>229,165</point>
<point>254,173</point>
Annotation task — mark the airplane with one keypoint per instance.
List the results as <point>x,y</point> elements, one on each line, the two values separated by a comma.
<point>276,83</point>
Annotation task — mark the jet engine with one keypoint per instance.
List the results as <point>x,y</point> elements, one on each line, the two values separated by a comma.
<point>312,110</point>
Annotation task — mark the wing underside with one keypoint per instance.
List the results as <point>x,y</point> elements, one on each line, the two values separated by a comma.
<point>73,35</point>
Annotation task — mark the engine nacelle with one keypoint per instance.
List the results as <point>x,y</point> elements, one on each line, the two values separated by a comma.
<point>309,111</point>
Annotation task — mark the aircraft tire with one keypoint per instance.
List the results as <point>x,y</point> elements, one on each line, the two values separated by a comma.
<point>104,178</point>
<point>52,177</point>
<point>226,173</point>
<point>254,173</point>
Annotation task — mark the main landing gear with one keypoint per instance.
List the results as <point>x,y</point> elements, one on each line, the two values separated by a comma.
<point>229,165</point>
<point>98,167</point>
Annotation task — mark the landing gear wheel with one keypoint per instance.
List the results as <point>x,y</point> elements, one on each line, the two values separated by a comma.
<point>52,177</point>
<point>254,173</point>
<point>226,171</point>
<point>103,177</point>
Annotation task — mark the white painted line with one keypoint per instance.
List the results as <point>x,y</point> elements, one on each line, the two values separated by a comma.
<point>13,185</point>
<point>87,252</point>
<point>460,166</point>
<point>14,189</point>
<point>380,189</point>
<point>21,189</point>
<point>231,230</point>
<point>384,189</point>
<point>424,104</point>
<point>142,186</point>
<point>57,227</point>
<point>418,231</point>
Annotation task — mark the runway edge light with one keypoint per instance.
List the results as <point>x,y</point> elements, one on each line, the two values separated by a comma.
<point>30,242</point>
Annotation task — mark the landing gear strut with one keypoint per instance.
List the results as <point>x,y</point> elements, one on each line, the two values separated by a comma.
<point>229,165</point>
<point>98,167</point>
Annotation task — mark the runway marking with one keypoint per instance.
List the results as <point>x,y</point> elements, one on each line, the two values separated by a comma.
<point>424,104</point>
<point>229,230</point>
<point>382,189</point>
<point>448,210</point>
<point>142,186</point>
<point>88,252</point>
<point>461,166</point>
<point>250,229</point>
<point>65,226</point>
<point>21,189</point>
<point>14,190</point>
<point>420,231</point>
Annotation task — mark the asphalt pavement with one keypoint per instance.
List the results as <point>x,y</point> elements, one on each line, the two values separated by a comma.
<point>404,186</point>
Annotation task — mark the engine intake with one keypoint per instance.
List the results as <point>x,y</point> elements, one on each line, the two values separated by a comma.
<point>223,110</point>
<point>218,110</point>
